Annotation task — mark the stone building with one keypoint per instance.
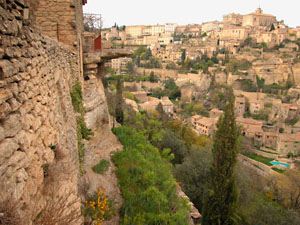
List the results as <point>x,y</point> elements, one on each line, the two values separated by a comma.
<point>271,140</point>
<point>288,143</point>
<point>258,19</point>
<point>235,33</point>
<point>240,106</point>
<point>245,123</point>
<point>167,105</point>
<point>215,113</point>
<point>255,106</point>
<point>255,132</point>
<point>157,29</point>
<point>193,30</point>
<point>152,104</point>
<point>141,96</point>
<point>232,19</point>
<point>120,64</point>
<point>180,29</point>
<point>204,125</point>
<point>61,20</point>
<point>212,26</point>
<point>267,37</point>
<point>170,27</point>
<point>135,31</point>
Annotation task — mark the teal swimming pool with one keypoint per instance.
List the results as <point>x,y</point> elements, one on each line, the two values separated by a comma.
<point>286,165</point>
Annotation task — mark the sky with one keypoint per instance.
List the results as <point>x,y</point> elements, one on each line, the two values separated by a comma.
<point>141,12</point>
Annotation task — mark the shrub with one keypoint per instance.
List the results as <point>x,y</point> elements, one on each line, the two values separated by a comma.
<point>278,170</point>
<point>128,95</point>
<point>82,131</point>
<point>76,96</point>
<point>99,207</point>
<point>147,185</point>
<point>101,167</point>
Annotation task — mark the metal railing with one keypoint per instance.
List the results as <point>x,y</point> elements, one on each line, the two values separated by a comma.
<point>92,22</point>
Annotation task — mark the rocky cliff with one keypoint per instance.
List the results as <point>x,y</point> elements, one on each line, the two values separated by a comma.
<point>38,131</point>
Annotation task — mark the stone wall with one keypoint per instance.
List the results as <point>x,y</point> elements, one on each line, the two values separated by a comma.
<point>296,73</point>
<point>273,70</point>
<point>162,73</point>
<point>59,19</point>
<point>38,131</point>
<point>261,168</point>
<point>265,154</point>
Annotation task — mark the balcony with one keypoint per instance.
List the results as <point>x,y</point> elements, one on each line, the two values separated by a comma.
<point>104,55</point>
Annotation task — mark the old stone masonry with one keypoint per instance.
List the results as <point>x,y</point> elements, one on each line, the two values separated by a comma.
<point>38,132</point>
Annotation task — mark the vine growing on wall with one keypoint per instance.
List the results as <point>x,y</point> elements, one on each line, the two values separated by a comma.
<point>82,131</point>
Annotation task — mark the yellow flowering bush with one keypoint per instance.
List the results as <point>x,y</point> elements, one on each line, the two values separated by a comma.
<point>99,207</point>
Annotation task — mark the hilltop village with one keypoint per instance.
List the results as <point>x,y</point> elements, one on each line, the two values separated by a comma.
<point>186,68</point>
<point>123,125</point>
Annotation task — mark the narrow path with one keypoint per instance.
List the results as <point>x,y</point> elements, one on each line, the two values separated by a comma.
<point>102,146</point>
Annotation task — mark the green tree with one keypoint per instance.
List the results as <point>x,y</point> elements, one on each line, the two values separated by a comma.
<point>148,53</point>
<point>183,56</point>
<point>193,174</point>
<point>152,77</point>
<point>162,114</point>
<point>220,206</point>
<point>119,100</point>
<point>177,146</point>
<point>146,181</point>
<point>130,68</point>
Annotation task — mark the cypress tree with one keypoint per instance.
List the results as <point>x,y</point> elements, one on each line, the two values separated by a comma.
<point>220,207</point>
<point>119,101</point>
<point>162,114</point>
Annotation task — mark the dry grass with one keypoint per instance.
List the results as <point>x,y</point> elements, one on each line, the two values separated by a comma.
<point>8,214</point>
<point>60,208</point>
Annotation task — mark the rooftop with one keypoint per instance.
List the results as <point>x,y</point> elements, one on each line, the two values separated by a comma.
<point>207,121</point>
<point>289,137</point>
<point>249,121</point>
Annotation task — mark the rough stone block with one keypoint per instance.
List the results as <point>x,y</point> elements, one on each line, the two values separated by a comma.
<point>14,104</point>
<point>4,110</point>
<point>11,125</point>
<point>17,14</point>
<point>14,89</point>
<point>7,148</point>
<point>7,69</point>
<point>5,94</point>
<point>26,14</point>
<point>22,97</point>
<point>24,139</point>
<point>22,3</point>
<point>1,134</point>
<point>27,121</point>
<point>1,53</point>
<point>91,66</point>
<point>16,159</point>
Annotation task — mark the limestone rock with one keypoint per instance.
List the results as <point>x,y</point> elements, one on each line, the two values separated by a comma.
<point>7,69</point>
<point>5,94</point>
<point>7,148</point>
<point>5,109</point>
<point>11,125</point>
